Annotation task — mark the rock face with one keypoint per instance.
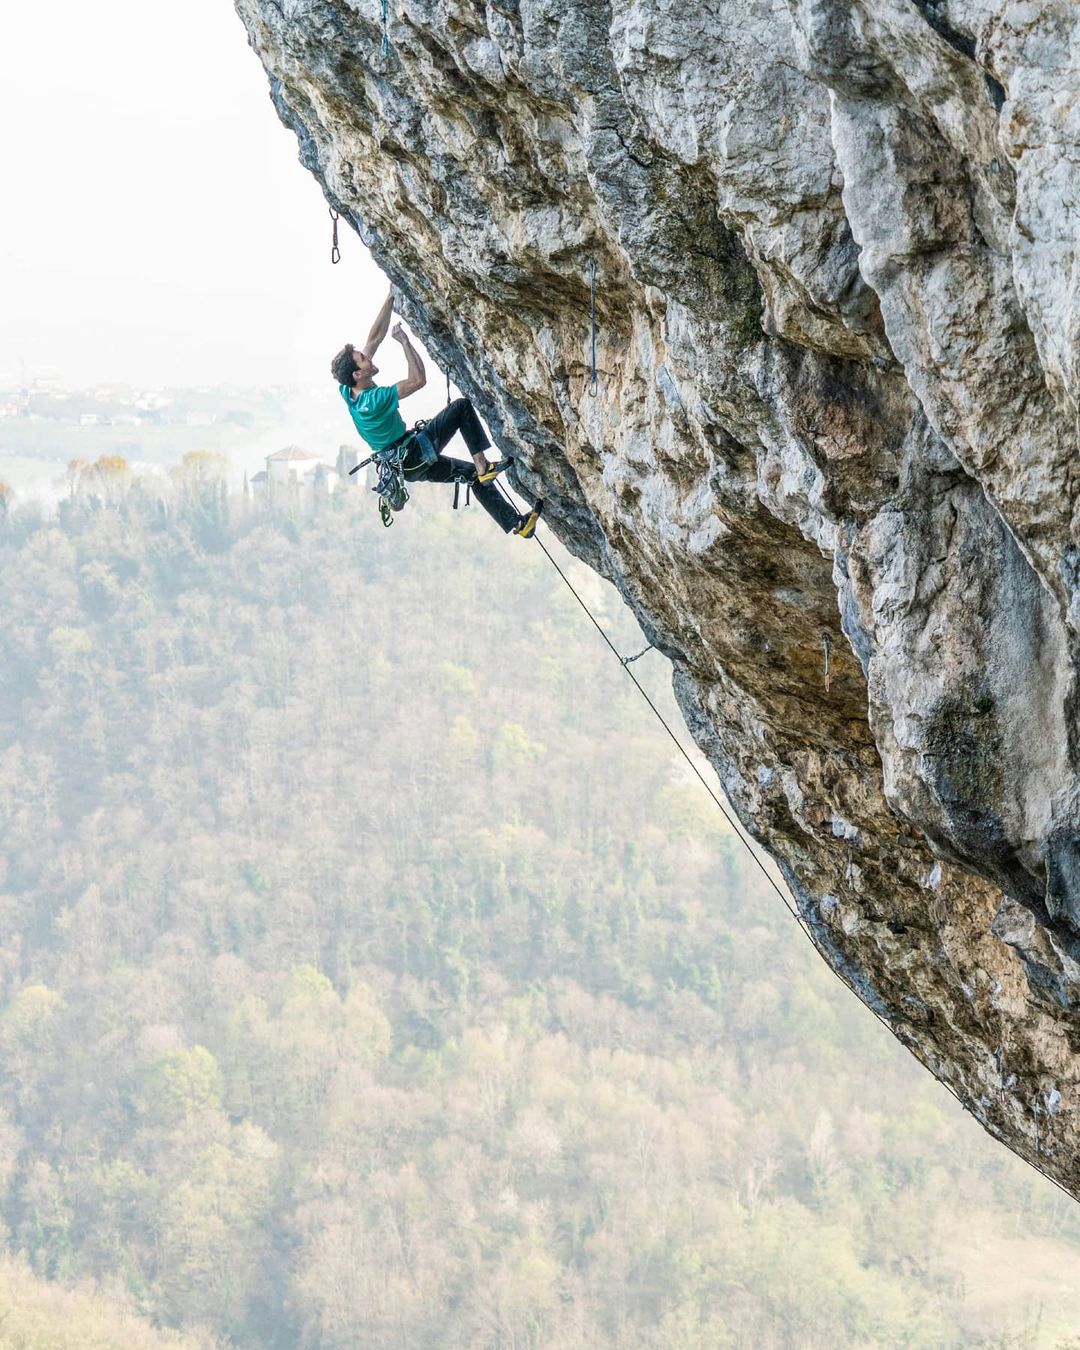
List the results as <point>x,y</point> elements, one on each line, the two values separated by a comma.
<point>836,283</point>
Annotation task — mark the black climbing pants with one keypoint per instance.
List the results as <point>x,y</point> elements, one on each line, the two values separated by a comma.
<point>460,416</point>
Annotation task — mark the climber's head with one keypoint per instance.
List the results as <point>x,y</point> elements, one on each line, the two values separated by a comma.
<point>352,366</point>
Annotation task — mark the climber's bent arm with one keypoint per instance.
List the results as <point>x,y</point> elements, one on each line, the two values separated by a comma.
<point>417,377</point>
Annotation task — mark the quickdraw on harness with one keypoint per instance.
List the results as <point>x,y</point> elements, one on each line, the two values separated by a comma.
<point>390,483</point>
<point>390,468</point>
<point>468,491</point>
<point>593,373</point>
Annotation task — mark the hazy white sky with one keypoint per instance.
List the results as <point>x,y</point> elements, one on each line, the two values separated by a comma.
<point>158,227</point>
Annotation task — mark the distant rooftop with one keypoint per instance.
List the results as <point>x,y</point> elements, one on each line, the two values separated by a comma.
<point>292,452</point>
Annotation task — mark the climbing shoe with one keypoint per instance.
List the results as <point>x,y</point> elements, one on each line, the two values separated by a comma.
<point>526,526</point>
<point>492,471</point>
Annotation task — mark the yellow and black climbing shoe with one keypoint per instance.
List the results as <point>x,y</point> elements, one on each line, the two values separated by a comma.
<point>526,526</point>
<point>492,471</point>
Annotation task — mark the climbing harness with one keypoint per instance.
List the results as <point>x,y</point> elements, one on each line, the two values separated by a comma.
<point>593,376</point>
<point>335,252</point>
<point>390,465</point>
<point>390,485</point>
<point>803,923</point>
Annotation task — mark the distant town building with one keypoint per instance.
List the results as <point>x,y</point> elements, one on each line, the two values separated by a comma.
<point>291,464</point>
<point>297,475</point>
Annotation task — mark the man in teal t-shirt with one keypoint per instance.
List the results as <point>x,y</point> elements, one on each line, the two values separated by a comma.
<point>374,409</point>
<point>375,414</point>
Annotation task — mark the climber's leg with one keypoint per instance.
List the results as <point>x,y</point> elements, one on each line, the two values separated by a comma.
<point>461,416</point>
<point>447,470</point>
<point>458,416</point>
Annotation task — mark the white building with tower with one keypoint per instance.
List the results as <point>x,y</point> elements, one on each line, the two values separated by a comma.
<point>295,475</point>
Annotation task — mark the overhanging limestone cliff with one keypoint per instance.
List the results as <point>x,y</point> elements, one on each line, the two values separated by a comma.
<point>837,262</point>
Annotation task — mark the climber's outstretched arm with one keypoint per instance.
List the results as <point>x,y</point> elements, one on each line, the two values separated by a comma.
<point>379,327</point>
<point>417,376</point>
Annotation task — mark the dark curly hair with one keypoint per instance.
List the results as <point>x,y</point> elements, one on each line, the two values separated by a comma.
<point>343,366</point>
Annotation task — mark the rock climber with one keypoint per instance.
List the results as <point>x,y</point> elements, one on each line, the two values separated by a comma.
<point>375,414</point>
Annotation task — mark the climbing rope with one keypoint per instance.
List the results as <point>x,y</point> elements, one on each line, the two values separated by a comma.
<point>335,252</point>
<point>625,662</point>
<point>593,376</point>
<point>803,923</point>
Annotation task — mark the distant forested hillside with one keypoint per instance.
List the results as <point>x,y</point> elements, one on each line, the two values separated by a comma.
<point>373,973</point>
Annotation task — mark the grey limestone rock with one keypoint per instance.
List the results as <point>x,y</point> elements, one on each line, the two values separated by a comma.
<point>837,264</point>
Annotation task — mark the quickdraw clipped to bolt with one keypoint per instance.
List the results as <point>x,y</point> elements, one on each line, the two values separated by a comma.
<point>629,660</point>
<point>335,252</point>
<point>826,643</point>
<point>999,1061</point>
<point>593,375</point>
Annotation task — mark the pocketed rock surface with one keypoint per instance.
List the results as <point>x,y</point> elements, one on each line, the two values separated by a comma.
<point>836,286</point>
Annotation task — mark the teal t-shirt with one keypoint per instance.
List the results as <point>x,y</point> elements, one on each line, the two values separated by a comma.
<point>375,414</point>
